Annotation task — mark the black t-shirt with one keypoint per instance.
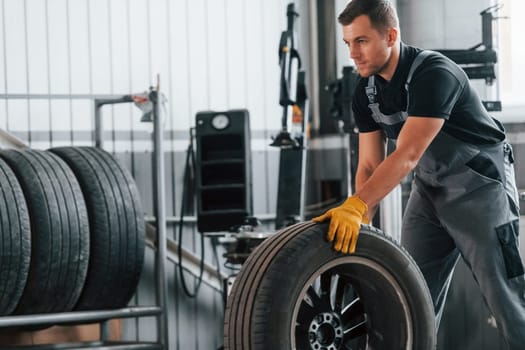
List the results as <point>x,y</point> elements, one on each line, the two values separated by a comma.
<point>439,88</point>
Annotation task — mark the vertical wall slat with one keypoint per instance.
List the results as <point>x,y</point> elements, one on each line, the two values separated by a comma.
<point>15,73</point>
<point>3,50</point>
<point>37,70</point>
<point>59,73</point>
<point>197,51</point>
<point>140,63</point>
<point>26,61</point>
<point>120,78</point>
<point>15,48</point>
<point>235,54</point>
<point>3,69</point>
<point>80,69</point>
<point>69,71</point>
<point>79,47</point>
<point>216,55</point>
<point>100,58</point>
<point>180,102</point>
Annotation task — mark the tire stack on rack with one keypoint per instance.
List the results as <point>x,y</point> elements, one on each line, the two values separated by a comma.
<point>71,231</point>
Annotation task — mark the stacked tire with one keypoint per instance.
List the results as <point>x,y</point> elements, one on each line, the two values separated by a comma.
<point>71,231</point>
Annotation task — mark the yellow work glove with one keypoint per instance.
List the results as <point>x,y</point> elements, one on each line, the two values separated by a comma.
<point>345,223</point>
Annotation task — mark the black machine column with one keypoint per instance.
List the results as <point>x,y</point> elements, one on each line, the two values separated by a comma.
<point>223,169</point>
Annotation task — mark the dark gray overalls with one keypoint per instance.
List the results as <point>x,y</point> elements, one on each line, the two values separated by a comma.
<point>464,202</point>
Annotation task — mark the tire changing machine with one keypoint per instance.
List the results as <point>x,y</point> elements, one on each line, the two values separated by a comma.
<point>292,142</point>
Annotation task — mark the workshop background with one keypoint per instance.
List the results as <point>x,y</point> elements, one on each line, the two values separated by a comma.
<point>58,56</point>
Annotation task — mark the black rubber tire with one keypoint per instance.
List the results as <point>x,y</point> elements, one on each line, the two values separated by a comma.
<point>283,296</point>
<point>117,227</point>
<point>15,240</point>
<point>59,231</point>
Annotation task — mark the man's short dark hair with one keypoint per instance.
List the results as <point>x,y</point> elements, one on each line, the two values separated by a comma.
<point>382,13</point>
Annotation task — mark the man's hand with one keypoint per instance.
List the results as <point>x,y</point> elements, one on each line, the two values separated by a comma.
<point>345,223</point>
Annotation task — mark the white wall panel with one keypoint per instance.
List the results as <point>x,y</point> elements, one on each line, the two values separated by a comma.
<point>159,44</point>
<point>100,46</point>
<point>463,23</point>
<point>82,112</point>
<point>37,47</point>
<point>17,112</point>
<point>255,65</point>
<point>78,40</point>
<point>274,22</point>
<point>59,62</point>
<point>210,54</point>
<point>3,63</point>
<point>179,101</point>
<point>424,24</point>
<point>139,54</point>
<point>120,51</point>
<point>3,115</point>
<point>441,24</point>
<point>236,53</point>
<point>139,43</point>
<point>217,54</point>
<point>197,52</point>
<point>15,46</point>
<point>60,115</point>
<point>39,112</point>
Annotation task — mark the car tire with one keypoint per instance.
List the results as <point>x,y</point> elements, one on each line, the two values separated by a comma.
<point>117,226</point>
<point>296,292</point>
<point>59,231</point>
<point>15,240</point>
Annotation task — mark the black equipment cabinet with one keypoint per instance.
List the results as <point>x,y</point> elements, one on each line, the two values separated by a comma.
<point>223,169</point>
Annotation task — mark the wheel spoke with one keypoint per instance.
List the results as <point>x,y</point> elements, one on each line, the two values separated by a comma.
<point>312,295</point>
<point>352,312</point>
<point>341,287</point>
<point>355,332</point>
<point>306,313</point>
<point>326,283</point>
<point>301,338</point>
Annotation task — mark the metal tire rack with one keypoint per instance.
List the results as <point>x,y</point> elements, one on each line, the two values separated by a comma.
<point>103,316</point>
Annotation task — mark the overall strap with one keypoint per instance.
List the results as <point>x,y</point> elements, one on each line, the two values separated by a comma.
<point>371,93</point>
<point>416,63</point>
<point>371,90</point>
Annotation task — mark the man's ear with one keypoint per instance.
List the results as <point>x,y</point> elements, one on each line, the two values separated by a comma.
<point>391,36</point>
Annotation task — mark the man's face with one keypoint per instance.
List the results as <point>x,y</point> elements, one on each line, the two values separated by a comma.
<point>369,48</point>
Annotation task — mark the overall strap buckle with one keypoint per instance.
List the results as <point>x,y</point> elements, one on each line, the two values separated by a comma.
<point>371,90</point>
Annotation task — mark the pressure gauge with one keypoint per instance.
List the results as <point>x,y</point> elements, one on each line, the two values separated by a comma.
<point>220,121</point>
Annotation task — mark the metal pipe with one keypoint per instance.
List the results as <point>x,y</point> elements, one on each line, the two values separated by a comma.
<point>102,97</point>
<point>193,219</point>
<point>78,316</point>
<point>98,136</point>
<point>104,330</point>
<point>314,64</point>
<point>11,140</point>
<point>99,102</point>
<point>304,153</point>
<point>160,213</point>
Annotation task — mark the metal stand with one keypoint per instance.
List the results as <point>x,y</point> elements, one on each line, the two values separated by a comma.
<point>102,316</point>
<point>293,137</point>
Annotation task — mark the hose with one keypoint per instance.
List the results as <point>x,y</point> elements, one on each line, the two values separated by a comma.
<point>189,170</point>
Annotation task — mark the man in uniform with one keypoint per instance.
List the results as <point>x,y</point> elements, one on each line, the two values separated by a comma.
<point>464,199</point>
